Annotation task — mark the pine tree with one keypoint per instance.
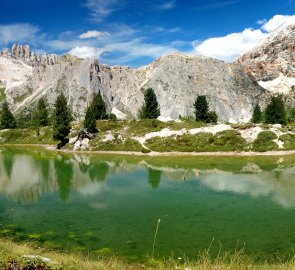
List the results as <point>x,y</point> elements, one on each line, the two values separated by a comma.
<point>7,119</point>
<point>99,107</point>
<point>90,121</point>
<point>62,118</point>
<point>257,115</point>
<point>40,116</point>
<point>201,109</point>
<point>275,112</point>
<point>150,108</point>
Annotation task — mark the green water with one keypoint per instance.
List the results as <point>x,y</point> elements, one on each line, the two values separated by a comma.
<point>112,204</point>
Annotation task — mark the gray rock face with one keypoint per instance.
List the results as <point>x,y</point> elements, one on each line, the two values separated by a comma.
<point>272,61</point>
<point>176,79</point>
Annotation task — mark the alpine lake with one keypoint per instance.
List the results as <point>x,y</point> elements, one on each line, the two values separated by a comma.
<point>107,204</point>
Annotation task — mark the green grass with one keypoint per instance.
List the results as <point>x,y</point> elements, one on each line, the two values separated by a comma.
<point>225,141</point>
<point>27,136</point>
<point>264,142</point>
<point>127,145</point>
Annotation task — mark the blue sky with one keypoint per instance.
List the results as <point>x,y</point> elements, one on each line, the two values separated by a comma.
<point>135,32</point>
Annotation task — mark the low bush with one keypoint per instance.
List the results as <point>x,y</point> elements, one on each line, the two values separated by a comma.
<point>264,142</point>
<point>289,141</point>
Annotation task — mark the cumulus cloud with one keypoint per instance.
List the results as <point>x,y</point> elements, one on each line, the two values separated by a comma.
<point>86,52</point>
<point>20,32</point>
<point>229,47</point>
<point>278,21</point>
<point>92,34</point>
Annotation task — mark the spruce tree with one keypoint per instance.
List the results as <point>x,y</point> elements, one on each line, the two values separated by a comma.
<point>90,121</point>
<point>99,107</point>
<point>150,108</point>
<point>202,113</point>
<point>7,119</point>
<point>275,112</point>
<point>201,109</point>
<point>40,116</point>
<point>62,118</point>
<point>257,115</point>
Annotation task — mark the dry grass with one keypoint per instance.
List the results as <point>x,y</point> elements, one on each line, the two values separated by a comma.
<point>10,251</point>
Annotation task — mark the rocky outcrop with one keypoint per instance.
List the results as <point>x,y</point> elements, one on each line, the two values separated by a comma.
<point>177,79</point>
<point>24,53</point>
<point>272,61</point>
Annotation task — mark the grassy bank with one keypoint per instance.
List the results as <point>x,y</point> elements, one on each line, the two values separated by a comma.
<point>16,257</point>
<point>134,136</point>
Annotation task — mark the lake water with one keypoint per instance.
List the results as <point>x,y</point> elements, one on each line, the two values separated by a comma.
<point>108,204</point>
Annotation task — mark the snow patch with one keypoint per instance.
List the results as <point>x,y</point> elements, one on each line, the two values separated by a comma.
<point>120,115</point>
<point>281,85</point>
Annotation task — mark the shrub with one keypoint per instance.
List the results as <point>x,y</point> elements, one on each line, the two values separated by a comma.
<point>289,141</point>
<point>264,142</point>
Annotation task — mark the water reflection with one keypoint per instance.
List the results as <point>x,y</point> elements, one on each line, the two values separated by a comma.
<point>26,178</point>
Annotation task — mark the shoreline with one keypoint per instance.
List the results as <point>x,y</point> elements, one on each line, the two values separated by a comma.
<point>159,154</point>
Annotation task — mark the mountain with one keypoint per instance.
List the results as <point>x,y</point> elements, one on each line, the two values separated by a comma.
<point>177,79</point>
<point>271,62</point>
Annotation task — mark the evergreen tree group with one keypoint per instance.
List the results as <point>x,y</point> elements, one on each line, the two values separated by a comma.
<point>7,119</point>
<point>202,113</point>
<point>62,118</point>
<point>95,111</point>
<point>150,108</point>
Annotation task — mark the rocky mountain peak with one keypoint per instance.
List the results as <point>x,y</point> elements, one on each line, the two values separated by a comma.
<point>271,62</point>
<point>24,53</point>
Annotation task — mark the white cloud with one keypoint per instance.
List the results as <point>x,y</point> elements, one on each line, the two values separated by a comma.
<point>93,34</point>
<point>167,5</point>
<point>262,21</point>
<point>278,21</point>
<point>86,52</point>
<point>229,47</point>
<point>21,32</point>
<point>100,9</point>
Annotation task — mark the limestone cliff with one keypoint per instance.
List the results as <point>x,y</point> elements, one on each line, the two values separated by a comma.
<point>272,61</point>
<point>176,78</point>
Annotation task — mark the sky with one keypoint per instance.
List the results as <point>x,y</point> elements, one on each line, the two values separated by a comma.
<point>136,32</point>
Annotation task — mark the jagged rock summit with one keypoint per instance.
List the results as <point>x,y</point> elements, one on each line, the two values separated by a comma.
<point>271,62</point>
<point>177,79</point>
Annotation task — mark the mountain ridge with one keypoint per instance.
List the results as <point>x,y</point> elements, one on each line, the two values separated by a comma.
<point>176,78</point>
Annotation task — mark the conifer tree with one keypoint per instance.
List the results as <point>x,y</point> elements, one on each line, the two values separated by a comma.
<point>150,108</point>
<point>202,113</point>
<point>62,118</point>
<point>99,107</point>
<point>7,119</point>
<point>90,121</point>
<point>40,116</point>
<point>275,112</point>
<point>257,115</point>
<point>201,109</point>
